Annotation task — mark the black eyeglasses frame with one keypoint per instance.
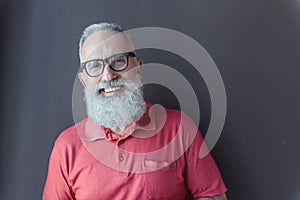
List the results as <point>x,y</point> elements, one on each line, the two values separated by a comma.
<point>106,61</point>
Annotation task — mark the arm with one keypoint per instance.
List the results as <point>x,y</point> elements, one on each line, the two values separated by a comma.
<point>202,175</point>
<point>57,186</point>
<point>218,197</point>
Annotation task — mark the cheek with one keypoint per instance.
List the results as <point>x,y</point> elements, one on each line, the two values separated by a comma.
<point>130,74</point>
<point>92,83</point>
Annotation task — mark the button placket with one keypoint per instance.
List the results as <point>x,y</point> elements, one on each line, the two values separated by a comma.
<point>121,157</point>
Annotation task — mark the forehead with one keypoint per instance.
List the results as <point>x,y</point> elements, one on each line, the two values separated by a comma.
<point>103,44</point>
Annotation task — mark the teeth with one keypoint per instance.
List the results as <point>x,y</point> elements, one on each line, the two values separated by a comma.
<point>112,89</point>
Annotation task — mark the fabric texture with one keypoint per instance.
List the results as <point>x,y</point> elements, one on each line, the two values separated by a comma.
<point>157,158</point>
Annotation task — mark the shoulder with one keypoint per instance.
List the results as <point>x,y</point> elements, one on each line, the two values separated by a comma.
<point>178,124</point>
<point>167,115</point>
<point>178,117</point>
<point>69,137</point>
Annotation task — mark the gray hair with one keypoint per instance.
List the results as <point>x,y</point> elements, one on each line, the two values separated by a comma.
<point>97,27</point>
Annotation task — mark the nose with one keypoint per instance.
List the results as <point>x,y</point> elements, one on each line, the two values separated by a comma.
<point>108,74</point>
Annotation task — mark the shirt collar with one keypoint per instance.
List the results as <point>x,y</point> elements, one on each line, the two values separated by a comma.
<point>91,131</point>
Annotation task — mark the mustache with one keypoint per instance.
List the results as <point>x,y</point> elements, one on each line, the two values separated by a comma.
<point>129,84</point>
<point>114,82</point>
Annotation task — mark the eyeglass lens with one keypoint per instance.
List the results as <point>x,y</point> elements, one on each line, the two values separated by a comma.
<point>117,63</point>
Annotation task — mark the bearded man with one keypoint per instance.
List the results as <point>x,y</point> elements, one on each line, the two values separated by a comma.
<point>126,148</point>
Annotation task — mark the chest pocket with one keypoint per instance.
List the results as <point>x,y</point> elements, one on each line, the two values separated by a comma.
<point>164,183</point>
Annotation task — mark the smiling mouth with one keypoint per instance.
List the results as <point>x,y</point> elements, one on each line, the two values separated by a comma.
<point>111,90</point>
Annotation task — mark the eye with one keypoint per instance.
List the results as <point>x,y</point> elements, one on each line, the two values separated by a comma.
<point>93,64</point>
<point>118,61</point>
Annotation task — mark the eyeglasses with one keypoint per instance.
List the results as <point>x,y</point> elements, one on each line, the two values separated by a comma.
<point>117,62</point>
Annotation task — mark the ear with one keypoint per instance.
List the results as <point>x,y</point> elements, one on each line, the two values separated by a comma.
<point>82,77</point>
<point>139,67</point>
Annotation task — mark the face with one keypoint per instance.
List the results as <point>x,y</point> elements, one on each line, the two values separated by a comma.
<point>104,44</point>
<point>115,98</point>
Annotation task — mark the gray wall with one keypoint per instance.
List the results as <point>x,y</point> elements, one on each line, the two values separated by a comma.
<point>255,44</point>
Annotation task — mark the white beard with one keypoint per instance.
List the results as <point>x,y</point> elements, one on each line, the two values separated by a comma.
<point>119,110</point>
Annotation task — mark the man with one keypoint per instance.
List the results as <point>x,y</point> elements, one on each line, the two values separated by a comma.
<point>126,148</point>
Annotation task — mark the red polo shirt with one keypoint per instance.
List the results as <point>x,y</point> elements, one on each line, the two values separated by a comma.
<point>156,158</point>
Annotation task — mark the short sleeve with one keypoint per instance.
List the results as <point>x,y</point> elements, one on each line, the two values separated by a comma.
<point>203,177</point>
<point>57,186</point>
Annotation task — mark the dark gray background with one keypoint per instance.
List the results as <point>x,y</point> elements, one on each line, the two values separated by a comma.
<point>255,44</point>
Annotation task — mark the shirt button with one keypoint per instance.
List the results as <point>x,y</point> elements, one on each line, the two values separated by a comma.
<point>121,157</point>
